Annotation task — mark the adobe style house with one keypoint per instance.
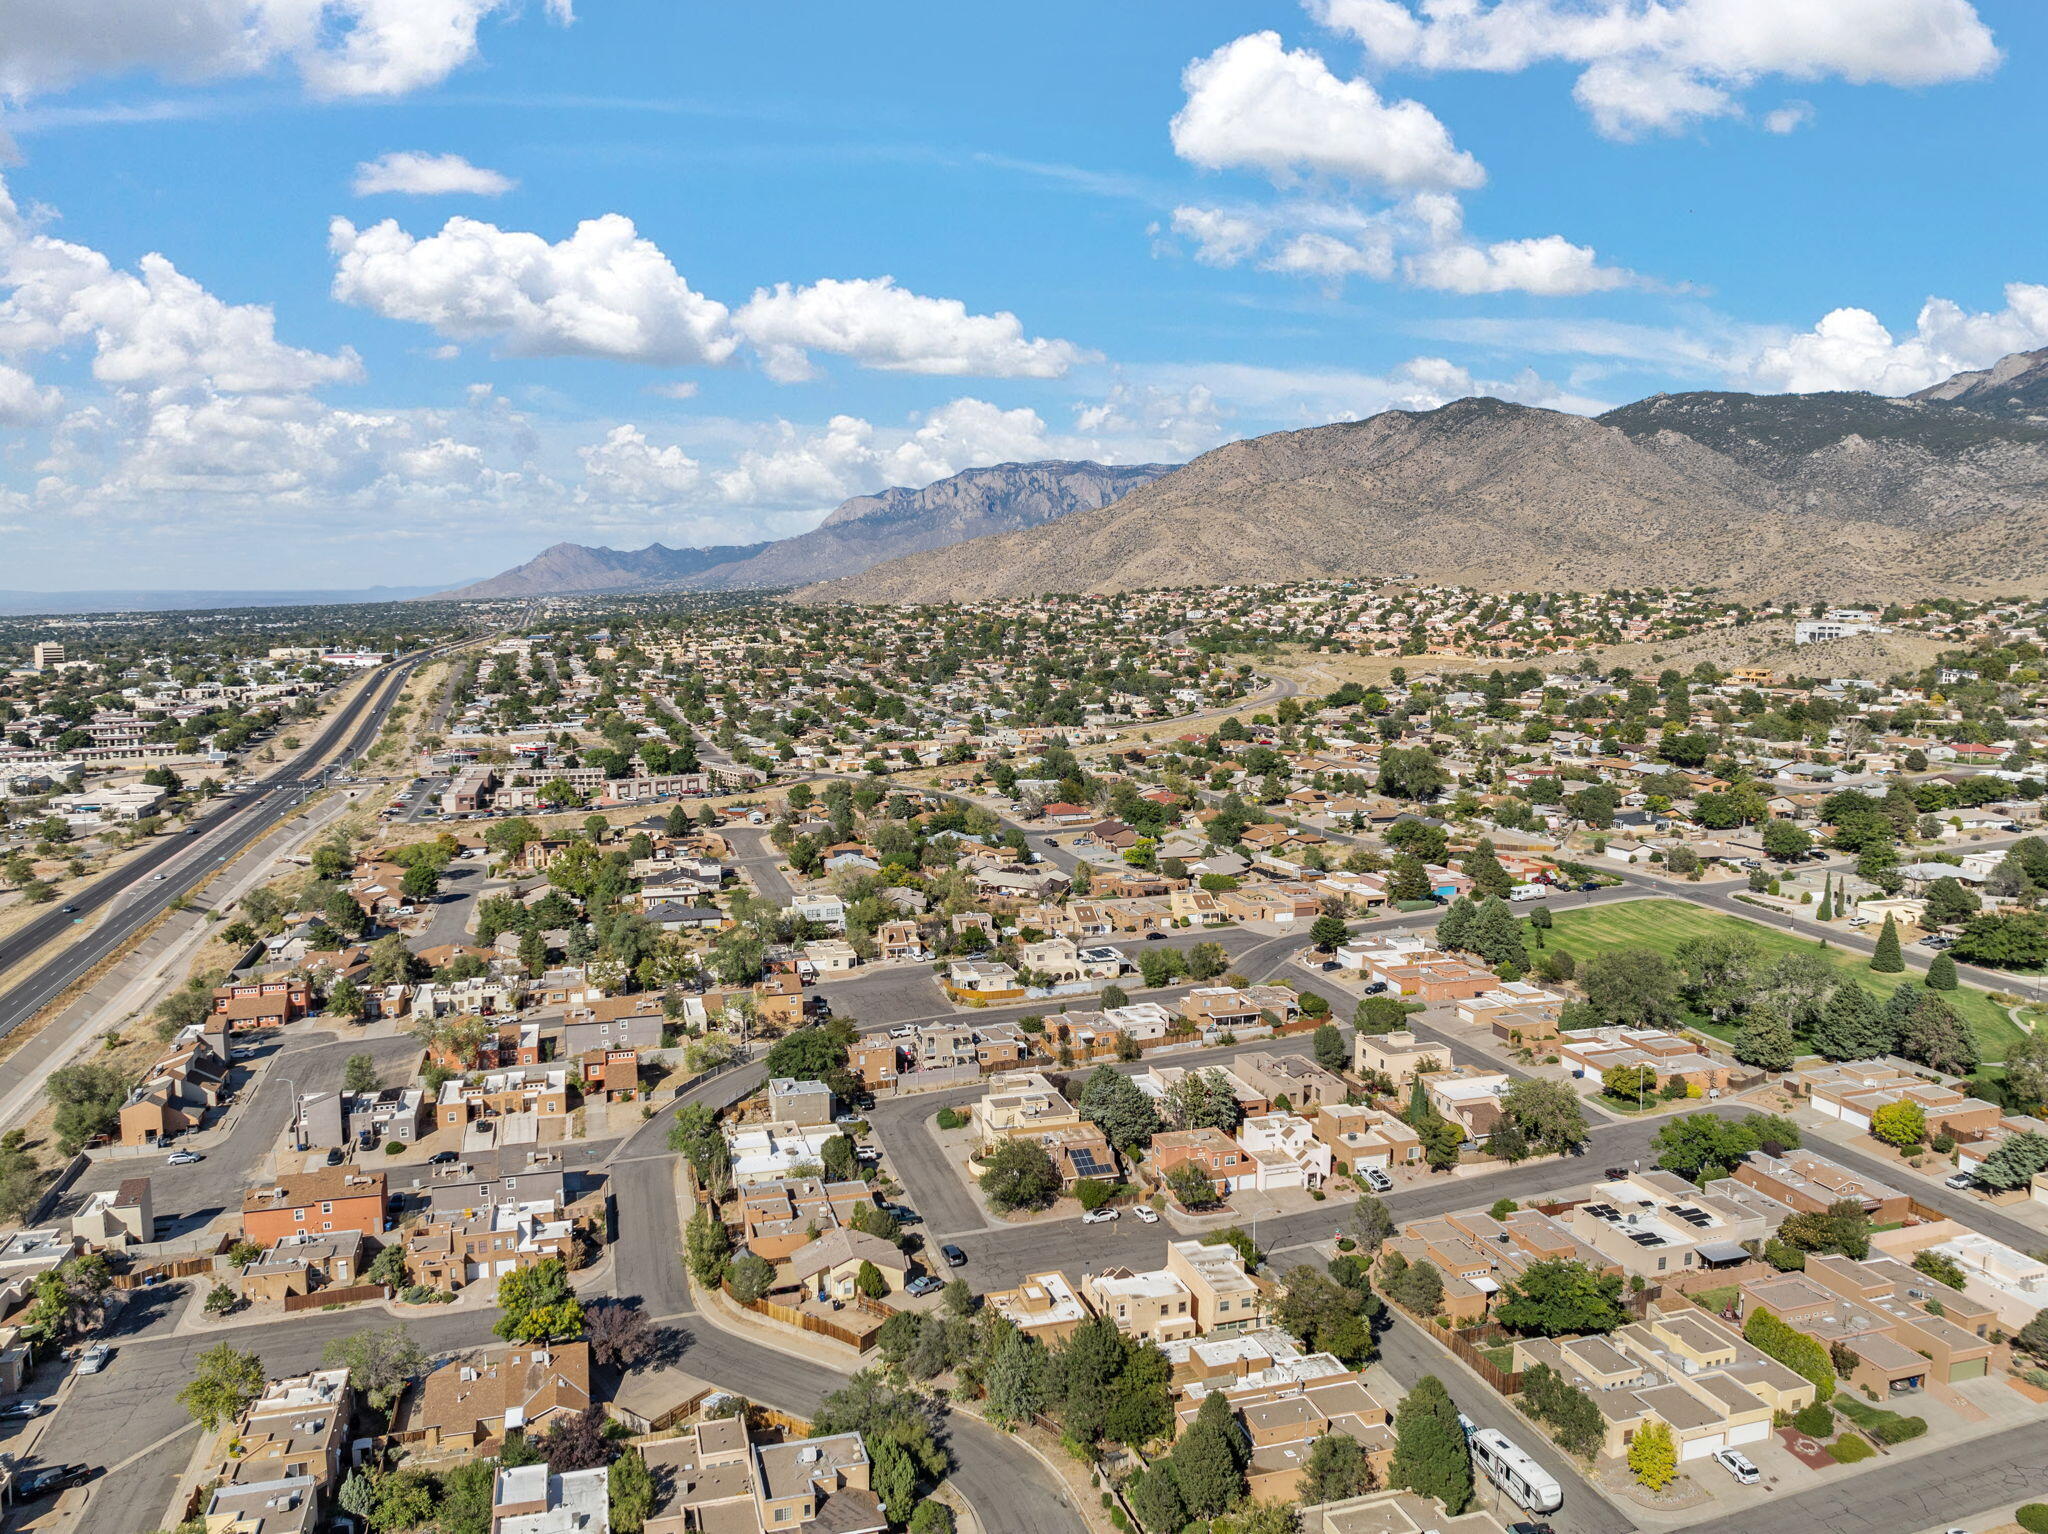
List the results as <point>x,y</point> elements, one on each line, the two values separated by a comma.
<point>468,1403</point>
<point>315,1203</point>
<point>174,1094</point>
<point>714,1479</point>
<point>1809,1182</point>
<point>263,1003</point>
<point>301,1264</point>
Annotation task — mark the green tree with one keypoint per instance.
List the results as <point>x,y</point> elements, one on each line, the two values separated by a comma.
<point>1483,867</point>
<point>1765,1041</point>
<point>1155,1498</point>
<point>1328,1048</point>
<point>707,1245</point>
<point>1379,1015</point>
<point>1701,1146</point>
<point>1209,1458</point>
<point>224,1382</point>
<point>1113,1103</point>
<point>1941,973</point>
<point>1337,1469</point>
<point>1851,1027</point>
<point>1020,1175</point>
<point>1935,1034</point>
<point>1431,1456</point>
<point>868,1280</point>
<point>1015,1374</point>
<point>1794,1349</point>
<point>1418,1287</point>
<point>380,1363</point>
<point>466,1496</point>
<point>2014,1163</point>
<point>1886,959</point>
<point>1557,1297</point>
<point>1948,902</point>
<point>1371,1223</point>
<point>359,1074</point>
<point>1548,1113</point>
<point>1326,932</point>
<point>749,1277</point>
<point>1635,987</point>
<point>538,1305</point>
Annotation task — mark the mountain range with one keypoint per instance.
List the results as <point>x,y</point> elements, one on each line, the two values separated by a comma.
<point>867,530</point>
<point>1842,494</point>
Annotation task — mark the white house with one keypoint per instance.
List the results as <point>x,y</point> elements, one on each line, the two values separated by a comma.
<point>1286,1151</point>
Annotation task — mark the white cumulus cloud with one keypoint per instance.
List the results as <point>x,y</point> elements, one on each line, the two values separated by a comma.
<point>1255,105</point>
<point>1219,238</point>
<point>417,174</point>
<point>851,456</point>
<point>1550,267</point>
<point>24,402</point>
<point>339,47</point>
<point>627,467</point>
<point>880,325</point>
<point>602,292</point>
<point>1661,65</point>
<point>1852,349</point>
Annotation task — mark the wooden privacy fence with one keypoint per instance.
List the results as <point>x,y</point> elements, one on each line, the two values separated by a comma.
<point>1467,1345</point>
<point>788,1315</point>
<point>319,1299</point>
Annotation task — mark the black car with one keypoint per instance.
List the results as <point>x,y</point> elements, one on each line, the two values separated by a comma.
<point>904,1214</point>
<point>955,1258</point>
<point>1616,1173</point>
<point>49,1480</point>
<point>444,1158</point>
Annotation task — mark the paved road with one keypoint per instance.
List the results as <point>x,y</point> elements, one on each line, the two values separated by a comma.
<point>132,897</point>
<point>1010,1491</point>
<point>1407,1355</point>
<point>759,857</point>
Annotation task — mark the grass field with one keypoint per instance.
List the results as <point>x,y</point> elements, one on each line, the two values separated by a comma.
<point>1663,925</point>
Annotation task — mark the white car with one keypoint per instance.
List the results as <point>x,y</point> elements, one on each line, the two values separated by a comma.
<point>1098,1217</point>
<point>1145,1214</point>
<point>1738,1465</point>
<point>94,1358</point>
<point>183,1158</point>
<point>905,1032</point>
<point>1959,1180</point>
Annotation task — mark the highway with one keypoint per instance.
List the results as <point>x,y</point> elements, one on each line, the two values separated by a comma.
<point>132,896</point>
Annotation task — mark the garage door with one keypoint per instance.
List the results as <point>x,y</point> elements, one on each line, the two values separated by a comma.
<point>1748,1432</point>
<point>1968,1369</point>
<point>1700,1448</point>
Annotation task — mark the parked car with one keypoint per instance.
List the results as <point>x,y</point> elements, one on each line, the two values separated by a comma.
<point>1155,937</point>
<point>1615,1173</point>
<point>334,1155</point>
<point>1377,1180</point>
<point>95,1358</point>
<point>1375,988</point>
<point>444,1158</point>
<point>1145,1214</point>
<point>904,1214</point>
<point>22,1411</point>
<point>1098,1217</point>
<point>1959,1180</point>
<point>48,1480</point>
<point>1738,1465</point>
<point>924,1283</point>
<point>955,1258</point>
<point>183,1158</point>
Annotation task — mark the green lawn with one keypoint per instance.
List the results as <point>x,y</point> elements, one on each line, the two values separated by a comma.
<point>1664,924</point>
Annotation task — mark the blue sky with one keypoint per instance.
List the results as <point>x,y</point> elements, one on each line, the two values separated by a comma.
<point>341,292</point>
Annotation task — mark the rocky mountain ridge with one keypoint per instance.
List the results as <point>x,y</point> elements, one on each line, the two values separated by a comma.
<point>1848,494</point>
<point>864,531</point>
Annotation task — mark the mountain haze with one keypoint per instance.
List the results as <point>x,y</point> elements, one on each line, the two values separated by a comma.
<point>864,531</point>
<point>1847,494</point>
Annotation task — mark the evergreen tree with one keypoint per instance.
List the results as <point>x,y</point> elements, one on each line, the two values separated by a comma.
<point>1209,1459</point>
<point>1850,1026</point>
<point>1337,1468</point>
<point>1483,868</point>
<point>1765,1041</point>
<point>1936,1035</point>
<point>1941,973</point>
<point>1015,1376</point>
<point>1431,1456</point>
<point>1496,936</point>
<point>1887,960</point>
<point>1156,1500</point>
<point>1454,927</point>
<point>1827,899</point>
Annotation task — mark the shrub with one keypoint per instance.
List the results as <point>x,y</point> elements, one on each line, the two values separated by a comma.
<point>1850,1450</point>
<point>1900,1429</point>
<point>950,1119</point>
<point>1816,1421</point>
<point>2032,1516</point>
<point>394,1147</point>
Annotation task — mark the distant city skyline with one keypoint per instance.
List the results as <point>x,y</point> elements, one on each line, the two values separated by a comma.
<point>379,305</point>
